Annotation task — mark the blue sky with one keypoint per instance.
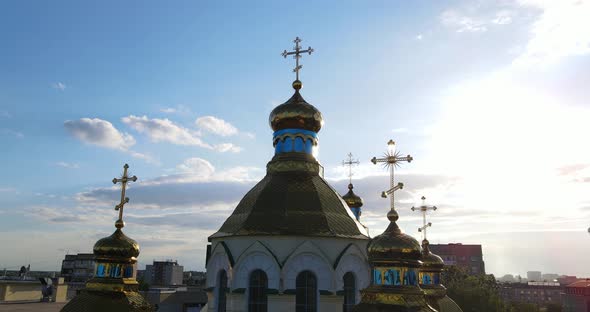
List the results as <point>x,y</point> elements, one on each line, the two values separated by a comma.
<point>490,97</point>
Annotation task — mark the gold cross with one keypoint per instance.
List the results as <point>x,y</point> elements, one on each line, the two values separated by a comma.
<point>124,180</point>
<point>297,55</point>
<point>390,160</point>
<point>424,209</point>
<point>350,162</point>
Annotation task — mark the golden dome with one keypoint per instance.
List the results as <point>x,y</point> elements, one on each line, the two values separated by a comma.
<point>118,245</point>
<point>393,246</point>
<point>430,261</point>
<point>351,199</point>
<point>296,113</point>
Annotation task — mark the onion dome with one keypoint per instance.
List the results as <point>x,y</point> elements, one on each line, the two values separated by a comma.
<point>430,281</point>
<point>395,259</point>
<point>430,260</point>
<point>293,199</point>
<point>118,245</point>
<point>113,287</point>
<point>296,113</point>
<point>351,199</point>
<point>393,246</point>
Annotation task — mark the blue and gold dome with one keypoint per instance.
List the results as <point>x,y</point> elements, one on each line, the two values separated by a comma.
<point>296,113</point>
<point>293,198</point>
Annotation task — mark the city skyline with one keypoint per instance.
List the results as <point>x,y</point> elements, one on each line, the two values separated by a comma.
<point>488,97</point>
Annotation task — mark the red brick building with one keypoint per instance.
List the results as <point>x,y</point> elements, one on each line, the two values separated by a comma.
<point>577,297</point>
<point>469,257</point>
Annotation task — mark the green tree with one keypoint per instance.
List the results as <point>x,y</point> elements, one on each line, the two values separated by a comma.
<point>143,285</point>
<point>553,307</point>
<point>473,293</point>
<point>523,307</point>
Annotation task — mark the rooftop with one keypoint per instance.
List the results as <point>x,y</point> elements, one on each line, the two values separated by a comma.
<point>32,307</point>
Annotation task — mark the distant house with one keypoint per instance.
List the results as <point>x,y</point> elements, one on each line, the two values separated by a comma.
<point>469,257</point>
<point>577,297</point>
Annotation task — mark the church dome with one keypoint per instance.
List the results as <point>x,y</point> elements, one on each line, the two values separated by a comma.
<point>394,246</point>
<point>296,113</point>
<point>353,200</point>
<point>292,202</point>
<point>118,245</point>
<point>430,261</point>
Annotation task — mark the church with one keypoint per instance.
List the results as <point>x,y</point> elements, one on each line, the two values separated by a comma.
<point>293,243</point>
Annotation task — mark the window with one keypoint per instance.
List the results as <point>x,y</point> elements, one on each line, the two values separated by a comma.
<point>221,289</point>
<point>306,292</point>
<point>349,292</point>
<point>257,299</point>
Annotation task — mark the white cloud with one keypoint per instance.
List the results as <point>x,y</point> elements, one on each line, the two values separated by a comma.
<point>59,86</point>
<point>178,109</point>
<point>67,165</point>
<point>216,126</point>
<point>197,166</point>
<point>99,132</point>
<point>419,37</point>
<point>164,130</point>
<point>562,29</point>
<point>168,110</point>
<point>503,17</point>
<point>461,22</point>
<point>227,147</point>
<point>14,133</point>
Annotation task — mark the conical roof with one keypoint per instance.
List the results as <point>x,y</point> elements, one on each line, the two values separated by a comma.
<point>293,199</point>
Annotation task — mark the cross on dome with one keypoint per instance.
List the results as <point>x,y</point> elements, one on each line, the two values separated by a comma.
<point>297,55</point>
<point>350,162</point>
<point>123,180</point>
<point>424,209</point>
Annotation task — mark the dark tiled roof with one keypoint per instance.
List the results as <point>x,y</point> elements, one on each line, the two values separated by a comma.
<point>447,304</point>
<point>292,203</point>
<point>111,301</point>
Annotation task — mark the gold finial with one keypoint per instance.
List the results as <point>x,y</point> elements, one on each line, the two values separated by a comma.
<point>350,162</point>
<point>391,160</point>
<point>124,180</point>
<point>297,55</point>
<point>424,209</point>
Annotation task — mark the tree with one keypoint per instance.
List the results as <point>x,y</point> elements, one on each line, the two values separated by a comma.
<point>143,285</point>
<point>473,293</point>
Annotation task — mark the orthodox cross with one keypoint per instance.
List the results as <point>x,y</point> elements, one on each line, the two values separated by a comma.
<point>123,180</point>
<point>391,160</point>
<point>424,209</point>
<point>297,55</point>
<point>350,162</point>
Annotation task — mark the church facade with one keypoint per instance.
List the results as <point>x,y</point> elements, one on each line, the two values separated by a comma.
<point>292,243</point>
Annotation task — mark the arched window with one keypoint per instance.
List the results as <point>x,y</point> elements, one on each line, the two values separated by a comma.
<point>349,292</point>
<point>306,292</point>
<point>221,289</point>
<point>257,299</point>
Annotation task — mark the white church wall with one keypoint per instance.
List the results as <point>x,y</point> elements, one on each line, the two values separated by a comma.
<point>307,261</point>
<point>256,260</point>
<point>282,258</point>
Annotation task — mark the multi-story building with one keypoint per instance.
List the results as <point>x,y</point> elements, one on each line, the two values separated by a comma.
<point>534,276</point>
<point>164,273</point>
<point>576,297</point>
<point>549,277</point>
<point>77,268</point>
<point>469,257</point>
<point>538,293</point>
